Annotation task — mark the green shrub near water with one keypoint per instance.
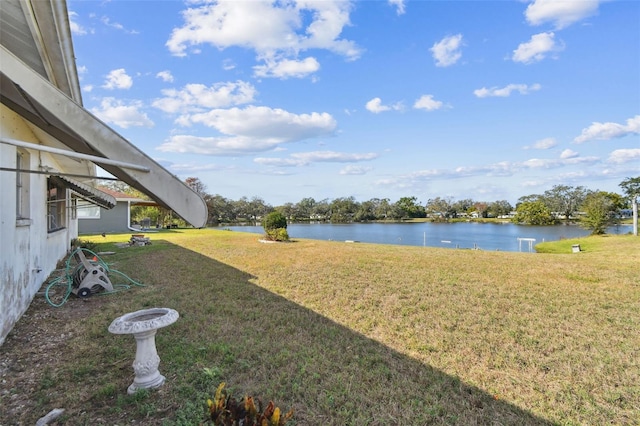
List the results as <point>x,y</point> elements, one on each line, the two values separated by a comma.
<point>275,226</point>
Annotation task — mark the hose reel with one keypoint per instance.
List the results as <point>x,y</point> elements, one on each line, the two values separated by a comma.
<point>85,274</point>
<point>89,276</point>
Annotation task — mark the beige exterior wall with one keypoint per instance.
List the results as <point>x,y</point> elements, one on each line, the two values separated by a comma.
<point>28,252</point>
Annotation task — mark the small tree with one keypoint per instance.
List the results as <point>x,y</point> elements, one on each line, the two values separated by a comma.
<point>533,213</point>
<point>564,200</point>
<point>600,211</point>
<point>275,226</point>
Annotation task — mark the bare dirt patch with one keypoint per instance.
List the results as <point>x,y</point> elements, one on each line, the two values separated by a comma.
<point>35,347</point>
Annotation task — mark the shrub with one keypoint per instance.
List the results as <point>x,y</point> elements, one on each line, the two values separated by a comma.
<point>77,243</point>
<point>274,220</point>
<point>275,226</point>
<point>279,234</point>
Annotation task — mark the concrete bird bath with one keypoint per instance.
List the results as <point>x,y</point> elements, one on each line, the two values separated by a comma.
<point>144,325</point>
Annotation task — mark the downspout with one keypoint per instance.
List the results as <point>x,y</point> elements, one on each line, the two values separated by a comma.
<point>129,220</point>
<point>129,217</point>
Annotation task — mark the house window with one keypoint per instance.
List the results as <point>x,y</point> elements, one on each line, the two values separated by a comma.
<point>22,185</point>
<point>87,210</point>
<point>56,206</point>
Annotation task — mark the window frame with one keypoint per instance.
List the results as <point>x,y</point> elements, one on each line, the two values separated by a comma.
<point>23,181</point>
<point>56,206</point>
<point>87,206</point>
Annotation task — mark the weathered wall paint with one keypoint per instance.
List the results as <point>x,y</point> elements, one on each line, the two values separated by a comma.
<point>28,253</point>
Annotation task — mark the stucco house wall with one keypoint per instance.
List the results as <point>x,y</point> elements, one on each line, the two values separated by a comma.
<point>28,252</point>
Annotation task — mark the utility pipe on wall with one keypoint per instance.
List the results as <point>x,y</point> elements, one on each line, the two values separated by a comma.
<point>73,154</point>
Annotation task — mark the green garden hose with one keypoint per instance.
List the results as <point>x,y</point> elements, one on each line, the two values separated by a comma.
<point>66,277</point>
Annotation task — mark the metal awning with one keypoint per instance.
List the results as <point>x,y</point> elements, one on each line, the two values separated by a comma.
<point>45,106</point>
<point>86,192</point>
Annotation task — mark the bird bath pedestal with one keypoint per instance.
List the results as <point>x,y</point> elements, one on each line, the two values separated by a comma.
<point>143,325</point>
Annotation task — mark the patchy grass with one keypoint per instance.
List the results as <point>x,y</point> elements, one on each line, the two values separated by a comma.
<point>357,334</point>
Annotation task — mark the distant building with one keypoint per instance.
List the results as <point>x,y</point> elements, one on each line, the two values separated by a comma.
<point>625,213</point>
<point>93,219</point>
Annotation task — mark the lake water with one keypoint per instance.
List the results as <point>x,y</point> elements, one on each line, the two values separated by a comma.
<point>484,236</point>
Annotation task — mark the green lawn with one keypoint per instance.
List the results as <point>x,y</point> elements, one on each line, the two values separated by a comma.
<point>360,334</point>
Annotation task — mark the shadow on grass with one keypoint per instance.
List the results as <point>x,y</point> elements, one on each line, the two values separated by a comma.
<point>260,344</point>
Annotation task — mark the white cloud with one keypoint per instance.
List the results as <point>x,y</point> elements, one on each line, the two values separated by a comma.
<point>523,89</point>
<point>267,122</point>
<point>196,97</point>
<point>272,29</point>
<point>399,5</point>
<point>279,162</point>
<point>306,158</point>
<point>228,64</point>
<point>499,169</point>
<point>545,143</point>
<point>574,160</point>
<point>191,168</point>
<point>552,163</point>
<point>446,52</point>
<point>568,153</point>
<point>106,21</point>
<point>606,131</point>
<point>287,68</point>
<point>165,76</point>
<point>375,106</point>
<point>561,13</point>
<point>113,111</point>
<point>540,163</point>
<point>427,103</point>
<point>215,145</point>
<point>76,28</point>
<point>118,79</point>
<point>249,130</point>
<point>537,48</point>
<point>355,170</point>
<point>624,155</point>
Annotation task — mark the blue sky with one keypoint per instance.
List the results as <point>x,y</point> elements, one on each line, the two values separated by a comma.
<point>283,100</point>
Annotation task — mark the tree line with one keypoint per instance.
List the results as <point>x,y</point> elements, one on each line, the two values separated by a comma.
<point>596,210</point>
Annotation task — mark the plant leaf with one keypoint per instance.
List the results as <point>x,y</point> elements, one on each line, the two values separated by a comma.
<point>286,417</point>
<point>275,418</point>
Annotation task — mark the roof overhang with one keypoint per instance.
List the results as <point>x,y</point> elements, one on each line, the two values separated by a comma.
<point>86,192</point>
<point>42,104</point>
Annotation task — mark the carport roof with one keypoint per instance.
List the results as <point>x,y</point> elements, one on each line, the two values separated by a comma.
<point>86,192</point>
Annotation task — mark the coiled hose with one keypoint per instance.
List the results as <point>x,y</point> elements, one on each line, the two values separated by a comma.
<point>66,277</point>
